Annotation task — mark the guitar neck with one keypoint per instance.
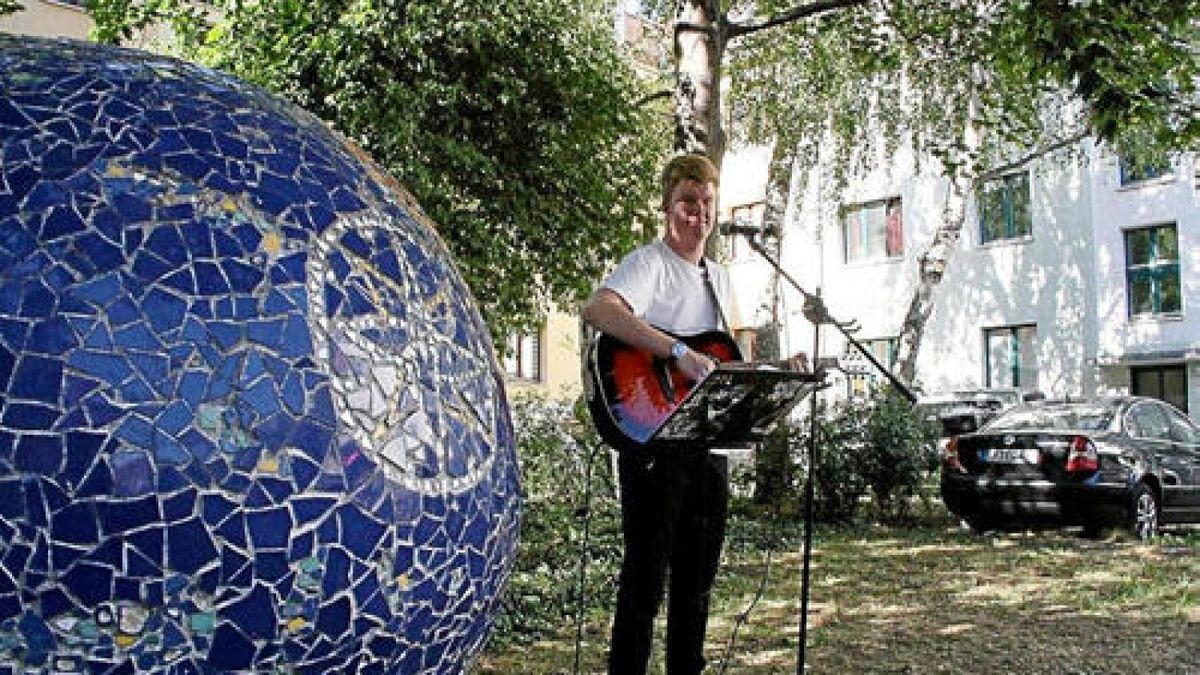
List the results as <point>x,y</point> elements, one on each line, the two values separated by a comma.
<point>782,364</point>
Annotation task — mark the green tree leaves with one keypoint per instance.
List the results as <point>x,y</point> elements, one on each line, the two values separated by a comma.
<point>511,121</point>
<point>1019,75</point>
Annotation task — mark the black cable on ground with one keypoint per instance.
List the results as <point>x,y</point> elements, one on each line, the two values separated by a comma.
<point>585,512</point>
<point>762,587</point>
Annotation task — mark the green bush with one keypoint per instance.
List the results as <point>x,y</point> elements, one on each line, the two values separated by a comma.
<point>879,448</point>
<point>899,454</point>
<point>777,481</point>
<point>561,458</point>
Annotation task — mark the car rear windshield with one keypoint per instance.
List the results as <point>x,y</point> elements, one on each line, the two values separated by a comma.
<point>1081,417</point>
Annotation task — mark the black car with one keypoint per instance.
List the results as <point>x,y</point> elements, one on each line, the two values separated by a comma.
<point>1120,461</point>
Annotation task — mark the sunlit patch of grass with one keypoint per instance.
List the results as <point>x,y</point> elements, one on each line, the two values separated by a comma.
<point>887,600</point>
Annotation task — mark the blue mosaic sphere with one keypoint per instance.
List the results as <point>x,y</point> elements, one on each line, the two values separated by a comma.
<point>250,419</point>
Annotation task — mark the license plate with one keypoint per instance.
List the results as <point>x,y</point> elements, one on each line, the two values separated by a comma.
<point>1011,456</point>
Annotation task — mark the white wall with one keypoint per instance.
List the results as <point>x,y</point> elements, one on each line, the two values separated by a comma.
<point>48,19</point>
<point>1124,341</point>
<point>1045,280</point>
<point>1068,278</point>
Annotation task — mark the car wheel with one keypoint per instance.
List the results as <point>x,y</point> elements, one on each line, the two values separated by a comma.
<point>1143,512</point>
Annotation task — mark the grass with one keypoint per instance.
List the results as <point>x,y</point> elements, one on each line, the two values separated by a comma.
<point>931,599</point>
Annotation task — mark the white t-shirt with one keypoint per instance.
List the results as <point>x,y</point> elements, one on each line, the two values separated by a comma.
<point>670,293</point>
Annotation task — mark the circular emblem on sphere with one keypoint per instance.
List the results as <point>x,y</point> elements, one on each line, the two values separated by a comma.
<point>379,339</point>
<point>250,420</point>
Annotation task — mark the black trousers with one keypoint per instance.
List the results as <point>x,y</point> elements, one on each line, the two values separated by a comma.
<point>673,511</point>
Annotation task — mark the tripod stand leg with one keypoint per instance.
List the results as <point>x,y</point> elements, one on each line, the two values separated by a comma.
<point>809,492</point>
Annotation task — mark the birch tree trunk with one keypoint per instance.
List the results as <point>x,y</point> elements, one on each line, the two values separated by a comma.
<point>774,471</point>
<point>930,269</point>
<point>699,48</point>
<point>931,266</point>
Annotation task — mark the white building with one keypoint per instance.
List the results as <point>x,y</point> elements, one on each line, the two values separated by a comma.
<point>49,18</point>
<point>1070,278</point>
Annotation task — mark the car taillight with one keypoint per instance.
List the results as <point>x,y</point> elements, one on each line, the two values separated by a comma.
<point>1082,455</point>
<point>950,455</point>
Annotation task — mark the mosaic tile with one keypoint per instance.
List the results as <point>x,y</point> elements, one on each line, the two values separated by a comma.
<point>250,419</point>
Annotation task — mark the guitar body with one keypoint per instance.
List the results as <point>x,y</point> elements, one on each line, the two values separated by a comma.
<point>631,392</point>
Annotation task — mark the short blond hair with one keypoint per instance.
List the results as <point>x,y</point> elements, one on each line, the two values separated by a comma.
<point>690,166</point>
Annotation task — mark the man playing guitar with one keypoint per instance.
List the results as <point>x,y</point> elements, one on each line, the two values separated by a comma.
<point>674,503</point>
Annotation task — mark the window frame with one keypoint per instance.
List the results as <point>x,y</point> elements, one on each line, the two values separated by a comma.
<point>1130,170</point>
<point>890,239</point>
<point>1003,185</point>
<point>1160,372</point>
<point>1154,271</point>
<point>1016,366</point>
<point>516,358</point>
<point>749,213</point>
<point>890,344</point>
<point>860,382</point>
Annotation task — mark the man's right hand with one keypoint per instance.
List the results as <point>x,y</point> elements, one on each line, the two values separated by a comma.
<point>695,365</point>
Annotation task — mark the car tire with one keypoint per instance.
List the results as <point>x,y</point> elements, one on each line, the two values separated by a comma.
<point>1143,512</point>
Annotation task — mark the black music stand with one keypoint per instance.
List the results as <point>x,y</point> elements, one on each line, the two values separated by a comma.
<point>736,405</point>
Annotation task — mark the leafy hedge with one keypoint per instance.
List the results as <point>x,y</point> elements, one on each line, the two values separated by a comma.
<point>878,448</point>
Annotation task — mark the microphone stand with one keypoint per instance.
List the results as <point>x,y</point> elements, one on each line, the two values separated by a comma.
<point>816,313</point>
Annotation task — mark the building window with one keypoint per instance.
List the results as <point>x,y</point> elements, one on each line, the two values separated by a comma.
<point>523,357</point>
<point>1136,169</point>
<point>1165,383</point>
<point>1010,357</point>
<point>1152,270</point>
<point>1004,211</point>
<point>750,215</point>
<point>873,231</point>
<point>862,375</point>
<point>884,350</point>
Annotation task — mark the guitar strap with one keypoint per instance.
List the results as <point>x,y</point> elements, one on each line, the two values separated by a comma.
<point>712,292</point>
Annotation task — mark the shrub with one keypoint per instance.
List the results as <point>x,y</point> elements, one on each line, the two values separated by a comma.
<point>840,482</point>
<point>776,468</point>
<point>561,458</point>
<point>898,454</point>
<point>780,469</point>
<point>878,447</point>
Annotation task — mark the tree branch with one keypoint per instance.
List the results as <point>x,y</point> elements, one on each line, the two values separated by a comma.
<point>648,98</point>
<point>998,171</point>
<point>735,30</point>
<point>689,27</point>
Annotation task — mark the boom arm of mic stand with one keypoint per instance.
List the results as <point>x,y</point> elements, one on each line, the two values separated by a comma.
<point>815,311</point>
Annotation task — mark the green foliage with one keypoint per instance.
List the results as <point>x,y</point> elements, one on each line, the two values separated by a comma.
<point>973,84</point>
<point>1134,62</point>
<point>775,468</point>
<point>9,6</point>
<point>840,482</point>
<point>561,460</point>
<point>512,122</point>
<point>879,447</point>
<point>899,453</point>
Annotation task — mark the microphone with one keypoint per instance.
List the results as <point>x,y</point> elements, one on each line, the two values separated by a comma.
<point>739,228</point>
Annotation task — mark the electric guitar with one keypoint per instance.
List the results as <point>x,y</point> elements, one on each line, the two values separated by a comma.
<point>631,392</point>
